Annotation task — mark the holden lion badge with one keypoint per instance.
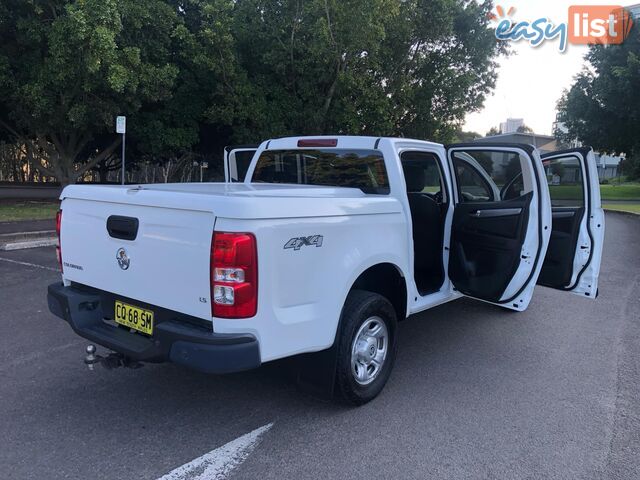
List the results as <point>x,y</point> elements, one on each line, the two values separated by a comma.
<point>122,258</point>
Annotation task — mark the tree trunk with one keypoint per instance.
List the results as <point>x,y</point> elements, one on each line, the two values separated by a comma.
<point>62,158</point>
<point>65,177</point>
<point>322,124</point>
<point>103,171</point>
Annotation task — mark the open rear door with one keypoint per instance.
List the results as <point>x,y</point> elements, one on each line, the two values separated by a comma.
<point>237,159</point>
<point>573,258</point>
<point>501,222</point>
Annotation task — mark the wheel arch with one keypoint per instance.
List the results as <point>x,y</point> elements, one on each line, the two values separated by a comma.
<point>388,280</point>
<point>317,369</point>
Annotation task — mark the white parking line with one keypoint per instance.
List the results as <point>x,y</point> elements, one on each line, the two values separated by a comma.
<point>218,463</point>
<point>42,242</point>
<point>26,264</point>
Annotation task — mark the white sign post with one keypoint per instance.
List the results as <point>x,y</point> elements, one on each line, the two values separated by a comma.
<point>203,165</point>
<point>121,127</point>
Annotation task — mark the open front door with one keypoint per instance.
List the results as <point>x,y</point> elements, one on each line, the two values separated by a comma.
<point>237,159</point>
<point>501,222</point>
<point>573,258</point>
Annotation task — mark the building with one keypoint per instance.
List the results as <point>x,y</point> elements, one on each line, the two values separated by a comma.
<point>511,125</point>
<point>608,166</point>
<point>634,10</point>
<point>544,143</point>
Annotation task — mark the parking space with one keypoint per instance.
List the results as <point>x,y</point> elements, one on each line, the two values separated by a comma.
<point>477,392</point>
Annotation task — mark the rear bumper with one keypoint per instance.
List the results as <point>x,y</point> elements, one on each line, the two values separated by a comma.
<point>176,338</point>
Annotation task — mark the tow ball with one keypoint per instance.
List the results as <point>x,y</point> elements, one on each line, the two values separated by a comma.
<point>110,361</point>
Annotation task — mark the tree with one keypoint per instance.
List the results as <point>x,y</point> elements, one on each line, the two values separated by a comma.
<point>461,136</point>
<point>377,67</point>
<point>191,75</point>
<point>601,107</point>
<point>524,129</point>
<point>68,68</point>
<point>203,52</point>
<point>630,167</point>
<point>493,131</point>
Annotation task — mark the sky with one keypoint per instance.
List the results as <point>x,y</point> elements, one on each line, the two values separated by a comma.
<point>531,80</point>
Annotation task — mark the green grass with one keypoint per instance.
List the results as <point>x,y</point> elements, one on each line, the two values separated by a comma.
<point>27,210</point>
<point>620,192</point>
<point>621,207</point>
<point>607,192</point>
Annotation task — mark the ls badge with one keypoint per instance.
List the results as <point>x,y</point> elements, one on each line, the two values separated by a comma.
<point>298,242</point>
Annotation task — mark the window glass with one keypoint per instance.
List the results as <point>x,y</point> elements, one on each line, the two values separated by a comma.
<point>339,167</point>
<point>243,160</point>
<point>514,189</point>
<point>488,176</point>
<point>564,176</point>
<point>422,173</point>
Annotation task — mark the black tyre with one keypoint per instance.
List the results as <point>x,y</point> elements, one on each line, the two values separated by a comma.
<point>366,346</point>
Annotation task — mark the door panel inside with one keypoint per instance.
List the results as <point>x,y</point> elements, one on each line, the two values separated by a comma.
<point>572,262</point>
<point>501,220</point>
<point>486,245</point>
<point>557,269</point>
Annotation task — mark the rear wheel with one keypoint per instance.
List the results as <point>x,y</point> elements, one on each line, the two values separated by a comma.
<point>366,346</point>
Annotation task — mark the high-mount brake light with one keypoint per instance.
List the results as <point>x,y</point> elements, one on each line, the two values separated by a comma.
<point>58,245</point>
<point>318,142</point>
<point>234,275</point>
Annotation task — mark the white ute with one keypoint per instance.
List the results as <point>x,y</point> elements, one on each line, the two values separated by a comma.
<point>323,247</point>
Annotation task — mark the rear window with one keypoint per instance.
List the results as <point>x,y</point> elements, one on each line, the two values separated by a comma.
<point>335,167</point>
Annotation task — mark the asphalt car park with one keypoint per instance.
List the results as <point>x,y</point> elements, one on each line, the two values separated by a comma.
<point>476,392</point>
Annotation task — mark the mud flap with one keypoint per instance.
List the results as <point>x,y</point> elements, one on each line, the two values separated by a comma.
<point>316,372</point>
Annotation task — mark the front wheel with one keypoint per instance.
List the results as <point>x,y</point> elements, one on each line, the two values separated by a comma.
<point>366,346</point>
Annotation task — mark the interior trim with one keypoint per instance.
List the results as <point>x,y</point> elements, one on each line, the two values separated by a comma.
<point>562,214</point>
<point>496,212</point>
<point>584,153</point>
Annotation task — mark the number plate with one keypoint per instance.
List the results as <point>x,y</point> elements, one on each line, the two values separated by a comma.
<point>133,317</point>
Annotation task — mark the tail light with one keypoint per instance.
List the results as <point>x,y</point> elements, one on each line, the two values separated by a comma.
<point>234,275</point>
<point>58,246</point>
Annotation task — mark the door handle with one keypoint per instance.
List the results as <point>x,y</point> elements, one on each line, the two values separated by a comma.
<point>124,228</point>
<point>496,212</point>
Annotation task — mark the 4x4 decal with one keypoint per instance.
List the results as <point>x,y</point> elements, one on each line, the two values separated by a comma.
<point>297,242</point>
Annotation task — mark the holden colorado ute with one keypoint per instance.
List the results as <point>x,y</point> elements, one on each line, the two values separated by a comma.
<point>321,248</point>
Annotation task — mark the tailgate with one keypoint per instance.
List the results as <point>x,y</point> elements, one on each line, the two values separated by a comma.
<point>168,261</point>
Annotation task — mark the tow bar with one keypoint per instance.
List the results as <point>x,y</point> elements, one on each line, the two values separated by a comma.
<point>111,361</point>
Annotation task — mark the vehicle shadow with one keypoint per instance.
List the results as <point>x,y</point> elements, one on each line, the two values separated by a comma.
<point>177,414</point>
<point>158,391</point>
